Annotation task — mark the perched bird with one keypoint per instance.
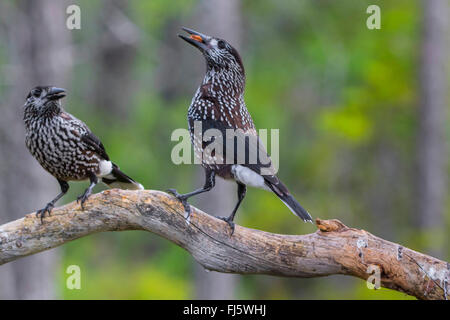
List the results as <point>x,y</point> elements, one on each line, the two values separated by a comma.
<point>66,148</point>
<point>219,104</point>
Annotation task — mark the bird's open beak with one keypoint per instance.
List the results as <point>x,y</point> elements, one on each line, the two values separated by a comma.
<point>195,38</point>
<point>56,94</point>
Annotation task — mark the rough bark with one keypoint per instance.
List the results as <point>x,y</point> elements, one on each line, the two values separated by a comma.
<point>333,249</point>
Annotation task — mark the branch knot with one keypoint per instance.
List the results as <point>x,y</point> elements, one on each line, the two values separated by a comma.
<point>332,225</point>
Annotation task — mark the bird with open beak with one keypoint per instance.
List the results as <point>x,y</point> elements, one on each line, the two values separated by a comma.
<point>219,104</point>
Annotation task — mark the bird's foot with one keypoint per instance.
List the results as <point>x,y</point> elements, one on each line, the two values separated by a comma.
<point>183,199</point>
<point>41,213</point>
<point>83,198</point>
<point>230,223</point>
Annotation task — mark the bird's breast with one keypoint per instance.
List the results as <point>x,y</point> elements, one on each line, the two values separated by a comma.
<point>59,150</point>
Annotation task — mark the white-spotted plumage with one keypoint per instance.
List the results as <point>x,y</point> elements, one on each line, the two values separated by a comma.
<point>56,143</point>
<point>65,147</point>
<point>219,104</point>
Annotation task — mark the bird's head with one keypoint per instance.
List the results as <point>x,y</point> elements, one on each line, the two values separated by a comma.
<point>218,53</point>
<point>41,98</point>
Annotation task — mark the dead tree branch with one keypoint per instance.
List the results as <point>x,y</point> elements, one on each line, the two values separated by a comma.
<point>332,249</point>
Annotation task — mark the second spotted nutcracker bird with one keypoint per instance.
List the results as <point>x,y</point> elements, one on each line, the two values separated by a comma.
<point>219,104</point>
<point>66,148</point>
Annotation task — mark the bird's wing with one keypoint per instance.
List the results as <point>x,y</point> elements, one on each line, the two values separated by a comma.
<point>247,149</point>
<point>258,161</point>
<point>256,158</point>
<point>231,113</point>
<point>80,129</point>
<point>234,146</point>
<point>94,143</point>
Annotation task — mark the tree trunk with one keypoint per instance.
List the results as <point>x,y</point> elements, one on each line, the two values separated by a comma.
<point>221,18</point>
<point>38,53</point>
<point>115,55</point>
<point>432,182</point>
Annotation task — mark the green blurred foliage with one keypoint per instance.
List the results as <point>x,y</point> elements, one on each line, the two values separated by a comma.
<point>344,98</point>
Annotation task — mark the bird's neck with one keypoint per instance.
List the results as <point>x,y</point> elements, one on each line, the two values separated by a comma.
<point>230,80</point>
<point>33,113</point>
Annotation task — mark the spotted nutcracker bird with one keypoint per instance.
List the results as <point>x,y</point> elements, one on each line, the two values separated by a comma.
<point>219,104</point>
<point>66,148</point>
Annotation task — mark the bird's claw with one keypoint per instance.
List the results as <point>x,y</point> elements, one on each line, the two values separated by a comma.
<point>229,222</point>
<point>184,202</point>
<point>41,213</point>
<point>173,192</point>
<point>82,199</point>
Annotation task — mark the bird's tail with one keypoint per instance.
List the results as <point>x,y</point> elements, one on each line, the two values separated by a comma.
<point>282,192</point>
<point>118,179</point>
<point>295,207</point>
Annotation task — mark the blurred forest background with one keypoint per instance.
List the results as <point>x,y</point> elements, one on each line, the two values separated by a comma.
<point>362,114</point>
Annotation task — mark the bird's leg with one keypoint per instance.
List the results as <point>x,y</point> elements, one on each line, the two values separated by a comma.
<point>49,207</point>
<point>242,189</point>
<point>210,181</point>
<point>94,180</point>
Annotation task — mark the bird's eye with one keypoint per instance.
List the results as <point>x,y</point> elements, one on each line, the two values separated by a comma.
<point>221,44</point>
<point>36,93</point>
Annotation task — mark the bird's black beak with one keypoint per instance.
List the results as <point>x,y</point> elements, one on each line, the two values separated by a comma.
<point>56,93</point>
<point>195,38</point>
